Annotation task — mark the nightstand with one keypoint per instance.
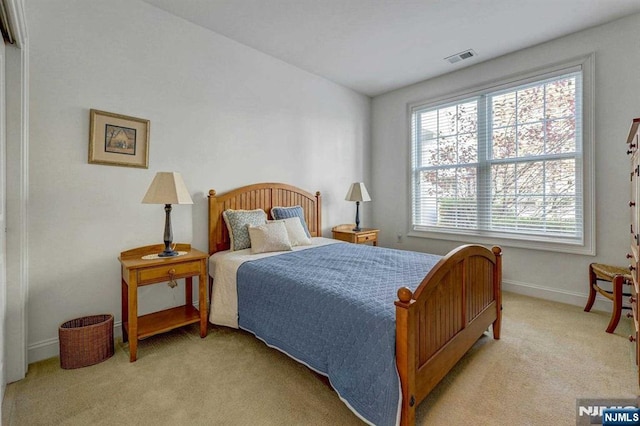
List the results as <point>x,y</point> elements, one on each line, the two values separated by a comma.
<point>346,233</point>
<point>138,272</point>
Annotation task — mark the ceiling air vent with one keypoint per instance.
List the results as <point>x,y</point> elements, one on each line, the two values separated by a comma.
<point>461,56</point>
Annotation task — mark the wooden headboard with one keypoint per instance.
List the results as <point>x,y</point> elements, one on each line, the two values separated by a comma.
<point>260,196</point>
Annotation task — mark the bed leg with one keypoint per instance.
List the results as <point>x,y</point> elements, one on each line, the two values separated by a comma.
<point>408,415</point>
<point>496,328</point>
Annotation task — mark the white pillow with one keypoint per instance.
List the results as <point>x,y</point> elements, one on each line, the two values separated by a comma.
<point>295,231</point>
<point>269,237</point>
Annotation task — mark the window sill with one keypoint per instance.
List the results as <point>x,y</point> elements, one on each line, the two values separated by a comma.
<point>496,239</point>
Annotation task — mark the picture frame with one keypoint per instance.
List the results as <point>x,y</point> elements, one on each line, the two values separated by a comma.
<point>118,140</point>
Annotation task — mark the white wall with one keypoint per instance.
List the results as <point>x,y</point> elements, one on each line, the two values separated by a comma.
<point>561,277</point>
<point>222,114</point>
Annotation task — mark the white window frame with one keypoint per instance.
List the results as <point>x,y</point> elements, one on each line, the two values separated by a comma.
<point>587,245</point>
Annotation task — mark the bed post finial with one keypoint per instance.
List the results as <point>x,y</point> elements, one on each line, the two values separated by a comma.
<point>404,294</point>
<point>212,193</point>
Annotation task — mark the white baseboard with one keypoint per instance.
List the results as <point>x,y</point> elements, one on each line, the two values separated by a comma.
<point>49,348</point>
<point>555,295</point>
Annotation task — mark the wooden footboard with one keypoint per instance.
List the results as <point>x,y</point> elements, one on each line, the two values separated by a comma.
<point>435,325</point>
<point>438,323</point>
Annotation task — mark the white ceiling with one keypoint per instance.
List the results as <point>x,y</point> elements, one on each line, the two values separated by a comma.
<point>374,46</point>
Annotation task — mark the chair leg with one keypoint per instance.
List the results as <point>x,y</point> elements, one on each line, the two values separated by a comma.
<point>618,280</point>
<point>592,290</point>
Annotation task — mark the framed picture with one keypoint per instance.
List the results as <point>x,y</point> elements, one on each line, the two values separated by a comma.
<point>118,140</point>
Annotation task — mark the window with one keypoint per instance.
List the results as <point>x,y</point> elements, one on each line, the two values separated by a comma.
<point>503,162</point>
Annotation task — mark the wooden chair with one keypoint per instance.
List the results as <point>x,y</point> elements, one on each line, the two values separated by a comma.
<point>615,275</point>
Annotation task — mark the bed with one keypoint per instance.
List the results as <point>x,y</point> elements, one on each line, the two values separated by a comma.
<point>437,316</point>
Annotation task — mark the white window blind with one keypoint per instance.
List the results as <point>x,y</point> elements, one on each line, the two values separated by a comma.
<point>504,162</point>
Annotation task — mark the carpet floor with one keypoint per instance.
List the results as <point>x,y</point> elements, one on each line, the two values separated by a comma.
<point>549,355</point>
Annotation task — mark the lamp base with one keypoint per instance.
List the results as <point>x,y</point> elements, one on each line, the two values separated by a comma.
<point>357,228</point>
<point>168,234</point>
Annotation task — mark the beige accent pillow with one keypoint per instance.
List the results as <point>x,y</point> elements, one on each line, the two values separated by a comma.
<point>269,237</point>
<point>295,231</point>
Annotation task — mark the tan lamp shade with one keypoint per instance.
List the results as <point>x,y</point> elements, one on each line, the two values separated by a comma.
<point>167,188</point>
<point>358,192</point>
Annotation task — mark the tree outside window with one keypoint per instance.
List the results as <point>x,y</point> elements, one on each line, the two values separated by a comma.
<point>507,161</point>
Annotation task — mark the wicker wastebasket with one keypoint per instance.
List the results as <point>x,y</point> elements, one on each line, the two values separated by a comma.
<point>86,341</point>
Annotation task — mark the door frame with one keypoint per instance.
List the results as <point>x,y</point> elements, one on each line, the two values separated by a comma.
<point>17,182</point>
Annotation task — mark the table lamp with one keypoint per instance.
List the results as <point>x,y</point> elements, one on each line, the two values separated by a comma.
<point>357,192</point>
<point>167,188</point>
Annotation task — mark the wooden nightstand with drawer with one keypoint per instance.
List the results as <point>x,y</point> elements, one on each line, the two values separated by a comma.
<point>137,271</point>
<point>346,233</point>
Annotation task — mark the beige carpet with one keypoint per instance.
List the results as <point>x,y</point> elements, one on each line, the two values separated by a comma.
<point>549,355</point>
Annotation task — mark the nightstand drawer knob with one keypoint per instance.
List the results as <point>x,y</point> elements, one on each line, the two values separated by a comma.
<point>172,281</point>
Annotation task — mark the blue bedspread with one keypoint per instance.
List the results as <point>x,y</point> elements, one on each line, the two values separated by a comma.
<point>332,308</point>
